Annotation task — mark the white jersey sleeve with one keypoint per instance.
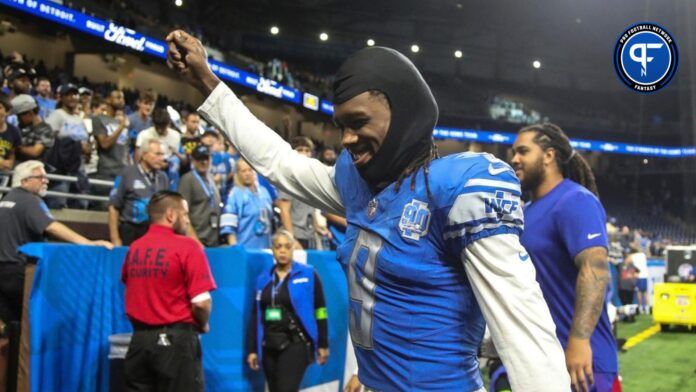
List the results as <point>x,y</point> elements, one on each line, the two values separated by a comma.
<point>305,178</point>
<point>504,282</point>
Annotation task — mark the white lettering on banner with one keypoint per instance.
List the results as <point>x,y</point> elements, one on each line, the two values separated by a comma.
<point>154,47</point>
<point>55,12</point>
<point>225,71</point>
<point>251,81</point>
<point>266,86</point>
<point>95,26</point>
<point>117,34</point>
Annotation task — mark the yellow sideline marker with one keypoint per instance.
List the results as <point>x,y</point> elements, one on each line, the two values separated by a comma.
<point>639,337</point>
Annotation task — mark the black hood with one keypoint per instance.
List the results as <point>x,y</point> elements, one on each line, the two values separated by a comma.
<point>413,108</point>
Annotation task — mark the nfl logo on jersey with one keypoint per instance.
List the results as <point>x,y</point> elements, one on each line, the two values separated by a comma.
<point>415,220</point>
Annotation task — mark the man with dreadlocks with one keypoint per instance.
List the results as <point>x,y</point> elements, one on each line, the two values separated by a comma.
<point>426,260</point>
<point>566,237</point>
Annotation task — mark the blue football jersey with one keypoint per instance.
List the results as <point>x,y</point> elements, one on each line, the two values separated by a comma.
<point>414,320</point>
<point>248,215</point>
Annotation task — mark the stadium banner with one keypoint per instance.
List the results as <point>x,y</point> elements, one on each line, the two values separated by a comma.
<point>76,303</point>
<point>133,40</point>
<point>481,136</point>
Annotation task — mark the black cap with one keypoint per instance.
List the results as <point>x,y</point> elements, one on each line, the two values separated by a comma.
<point>200,152</point>
<point>14,71</point>
<point>66,88</point>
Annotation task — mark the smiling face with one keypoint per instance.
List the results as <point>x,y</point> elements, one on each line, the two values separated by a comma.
<point>364,121</point>
<point>528,160</point>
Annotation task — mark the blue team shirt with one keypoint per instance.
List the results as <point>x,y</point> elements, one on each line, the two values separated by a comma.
<point>46,106</point>
<point>563,223</point>
<point>248,215</point>
<point>414,320</point>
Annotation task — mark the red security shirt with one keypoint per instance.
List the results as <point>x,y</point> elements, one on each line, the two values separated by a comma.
<point>163,271</point>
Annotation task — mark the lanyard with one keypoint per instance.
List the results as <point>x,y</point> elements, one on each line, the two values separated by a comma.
<point>275,287</point>
<point>147,178</point>
<point>206,188</point>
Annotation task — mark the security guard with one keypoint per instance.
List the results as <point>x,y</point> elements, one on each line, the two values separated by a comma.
<point>168,284</point>
<point>132,190</point>
<point>290,326</point>
<point>199,189</point>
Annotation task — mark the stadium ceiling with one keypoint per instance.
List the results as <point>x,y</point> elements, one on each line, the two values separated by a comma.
<point>499,39</point>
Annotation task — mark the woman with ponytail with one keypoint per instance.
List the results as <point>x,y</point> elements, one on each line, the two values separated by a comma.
<point>565,235</point>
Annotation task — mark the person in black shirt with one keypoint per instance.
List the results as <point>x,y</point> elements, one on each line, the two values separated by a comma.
<point>24,218</point>
<point>10,139</point>
<point>289,321</point>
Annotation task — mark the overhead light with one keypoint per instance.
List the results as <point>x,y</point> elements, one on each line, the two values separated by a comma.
<point>370,42</point>
<point>536,64</point>
<point>178,3</point>
<point>275,30</point>
<point>415,48</point>
<point>323,36</point>
<point>458,54</point>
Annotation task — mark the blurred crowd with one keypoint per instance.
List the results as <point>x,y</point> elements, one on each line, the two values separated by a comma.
<point>142,142</point>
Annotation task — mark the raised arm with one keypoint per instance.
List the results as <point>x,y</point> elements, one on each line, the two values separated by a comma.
<point>305,178</point>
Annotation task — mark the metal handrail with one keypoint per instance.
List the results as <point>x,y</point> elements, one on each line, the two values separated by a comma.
<point>60,177</point>
<point>92,181</point>
<point>77,196</point>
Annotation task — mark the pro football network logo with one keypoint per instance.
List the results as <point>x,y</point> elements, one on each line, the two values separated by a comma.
<point>646,57</point>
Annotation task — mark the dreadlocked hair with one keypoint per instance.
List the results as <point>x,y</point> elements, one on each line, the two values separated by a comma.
<point>573,166</point>
<point>412,170</point>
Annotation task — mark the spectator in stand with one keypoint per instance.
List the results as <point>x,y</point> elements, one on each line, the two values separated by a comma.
<point>223,166</point>
<point>161,130</point>
<point>10,140</point>
<point>110,130</point>
<point>37,136</point>
<point>297,217</point>
<point>142,118</point>
<point>85,106</point>
<point>44,97</point>
<point>71,147</point>
<point>246,218</point>
<point>19,82</point>
<point>171,139</point>
<point>85,102</point>
<point>18,79</point>
<point>190,140</point>
<point>133,188</point>
<point>199,190</point>
<point>328,156</point>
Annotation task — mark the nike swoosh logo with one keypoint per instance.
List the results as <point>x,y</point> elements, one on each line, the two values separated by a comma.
<point>593,236</point>
<point>523,256</point>
<point>494,172</point>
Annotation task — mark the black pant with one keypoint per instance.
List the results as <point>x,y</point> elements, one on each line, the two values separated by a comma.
<point>626,296</point>
<point>130,232</point>
<point>11,291</point>
<point>150,366</point>
<point>284,369</point>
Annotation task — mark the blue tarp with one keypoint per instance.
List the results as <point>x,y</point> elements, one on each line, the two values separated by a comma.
<point>77,302</point>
